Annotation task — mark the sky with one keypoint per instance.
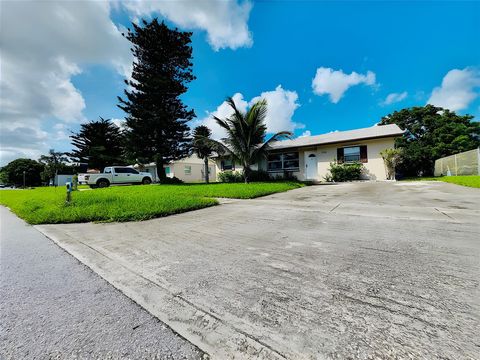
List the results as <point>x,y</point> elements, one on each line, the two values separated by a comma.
<point>322,66</point>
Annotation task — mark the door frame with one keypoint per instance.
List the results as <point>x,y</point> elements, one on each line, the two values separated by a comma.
<point>307,161</point>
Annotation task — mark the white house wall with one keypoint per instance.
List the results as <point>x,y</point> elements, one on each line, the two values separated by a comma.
<point>375,168</point>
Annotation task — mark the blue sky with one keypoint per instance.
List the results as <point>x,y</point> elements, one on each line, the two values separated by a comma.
<point>323,66</point>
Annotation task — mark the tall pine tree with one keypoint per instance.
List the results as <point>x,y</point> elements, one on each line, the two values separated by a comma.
<point>98,143</point>
<point>157,118</point>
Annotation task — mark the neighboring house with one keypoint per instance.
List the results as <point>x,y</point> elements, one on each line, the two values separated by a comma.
<point>309,157</point>
<point>190,169</point>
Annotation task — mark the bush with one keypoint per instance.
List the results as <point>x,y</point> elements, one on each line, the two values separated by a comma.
<point>344,172</point>
<point>259,176</point>
<point>172,180</point>
<point>229,176</point>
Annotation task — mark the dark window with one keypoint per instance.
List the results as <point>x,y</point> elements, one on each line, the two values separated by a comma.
<point>283,161</point>
<point>227,164</point>
<point>131,171</point>
<point>352,154</point>
<point>121,170</point>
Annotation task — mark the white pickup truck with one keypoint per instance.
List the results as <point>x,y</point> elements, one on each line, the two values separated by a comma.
<point>115,175</point>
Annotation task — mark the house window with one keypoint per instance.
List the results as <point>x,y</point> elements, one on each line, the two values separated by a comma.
<point>188,170</point>
<point>227,164</point>
<point>352,154</point>
<point>283,161</point>
<point>167,170</point>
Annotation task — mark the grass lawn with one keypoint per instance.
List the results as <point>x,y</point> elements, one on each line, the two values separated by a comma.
<point>467,180</point>
<point>46,205</point>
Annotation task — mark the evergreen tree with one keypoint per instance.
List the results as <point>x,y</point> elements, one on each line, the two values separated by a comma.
<point>157,119</point>
<point>431,133</point>
<point>99,143</point>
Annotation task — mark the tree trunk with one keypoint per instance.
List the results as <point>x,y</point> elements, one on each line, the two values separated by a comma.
<point>160,169</point>
<point>246,173</point>
<point>206,169</point>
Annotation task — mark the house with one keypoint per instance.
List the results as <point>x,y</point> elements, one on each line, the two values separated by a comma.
<point>189,169</point>
<point>309,157</point>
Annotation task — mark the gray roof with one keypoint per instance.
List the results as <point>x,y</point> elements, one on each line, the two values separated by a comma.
<point>340,136</point>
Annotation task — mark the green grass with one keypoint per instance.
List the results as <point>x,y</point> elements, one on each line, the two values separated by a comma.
<point>46,205</point>
<point>466,180</point>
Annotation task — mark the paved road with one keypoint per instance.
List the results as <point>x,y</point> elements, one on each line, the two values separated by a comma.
<point>358,271</point>
<point>53,307</point>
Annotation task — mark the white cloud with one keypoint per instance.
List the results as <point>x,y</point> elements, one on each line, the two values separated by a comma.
<point>306,133</point>
<point>394,98</point>
<point>39,57</point>
<point>335,82</point>
<point>458,89</point>
<point>223,111</point>
<point>120,123</point>
<point>281,107</point>
<point>226,22</point>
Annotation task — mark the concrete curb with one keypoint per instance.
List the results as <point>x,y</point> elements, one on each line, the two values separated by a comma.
<point>198,326</point>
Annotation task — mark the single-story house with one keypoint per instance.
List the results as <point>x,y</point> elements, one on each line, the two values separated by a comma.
<point>189,169</point>
<point>309,157</point>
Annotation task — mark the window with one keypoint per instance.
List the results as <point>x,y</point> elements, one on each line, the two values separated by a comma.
<point>131,171</point>
<point>283,161</point>
<point>188,170</point>
<point>352,154</point>
<point>108,170</point>
<point>121,170</point>
<point>167,170</point>
<point>227,164</point>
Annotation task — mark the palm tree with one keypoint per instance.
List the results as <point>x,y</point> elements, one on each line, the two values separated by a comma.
<point>202,145</point>
<point>246,132</point>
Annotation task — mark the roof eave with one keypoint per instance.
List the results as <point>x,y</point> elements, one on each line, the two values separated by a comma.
<point>338,141</point>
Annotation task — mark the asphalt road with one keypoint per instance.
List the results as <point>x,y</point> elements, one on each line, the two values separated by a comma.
<point>53,307</point>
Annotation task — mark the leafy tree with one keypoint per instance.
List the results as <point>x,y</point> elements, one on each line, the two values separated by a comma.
<point>391,158</point>
<point>203,146</point>
<point>53,163</point>
<point>13,172</point>
<point>246,133</point>
<point>157,119</point>
<point>99,143</point>
<point>431,133</point>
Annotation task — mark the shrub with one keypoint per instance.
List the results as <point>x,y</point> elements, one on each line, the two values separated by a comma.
<point>172,180</point>
<point>230,177</point>
<point>344,172</point>
<point>259,176</point>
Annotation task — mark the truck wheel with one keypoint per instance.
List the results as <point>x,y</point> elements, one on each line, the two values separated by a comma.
<point>146,181</point>
<point>102,183</point>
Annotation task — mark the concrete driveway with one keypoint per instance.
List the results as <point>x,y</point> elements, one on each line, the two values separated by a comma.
<point>359,270</point>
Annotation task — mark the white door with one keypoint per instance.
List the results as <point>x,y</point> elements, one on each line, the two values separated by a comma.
<point>311,167</point>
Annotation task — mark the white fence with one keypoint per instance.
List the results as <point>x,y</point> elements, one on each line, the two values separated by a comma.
<point>465,163</point>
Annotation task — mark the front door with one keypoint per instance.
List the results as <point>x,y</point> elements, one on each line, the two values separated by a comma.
<point>311,167</point>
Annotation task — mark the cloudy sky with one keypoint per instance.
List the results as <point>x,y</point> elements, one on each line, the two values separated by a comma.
<point>322,66</point>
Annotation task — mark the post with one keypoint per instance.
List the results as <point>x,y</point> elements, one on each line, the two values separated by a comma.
<point>456,167</point>
<point>478,160</point>
<point>69,192</point>
<point>24,179</point>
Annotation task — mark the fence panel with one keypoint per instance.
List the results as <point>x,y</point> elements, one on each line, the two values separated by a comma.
<point>466,163</point>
